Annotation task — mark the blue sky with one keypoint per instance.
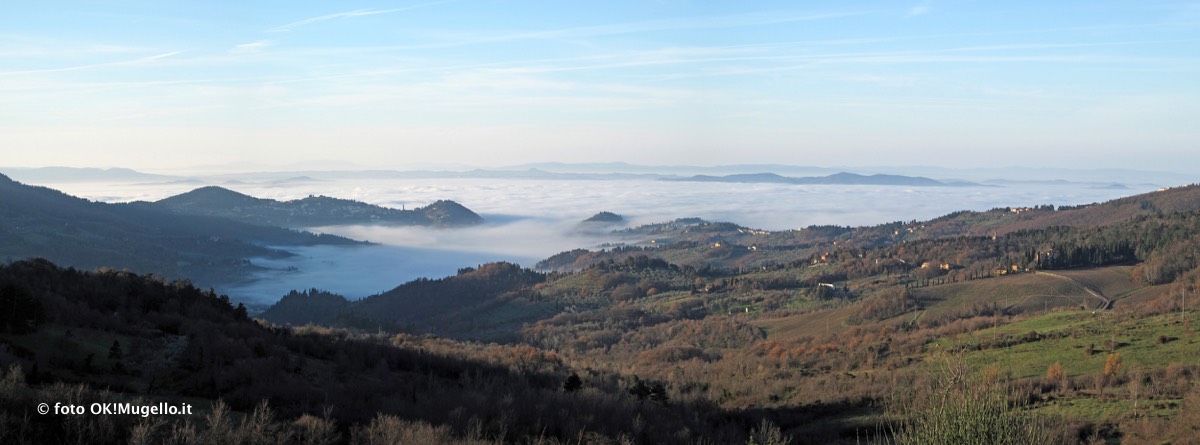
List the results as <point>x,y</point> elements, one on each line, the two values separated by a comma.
<point>164,85</point>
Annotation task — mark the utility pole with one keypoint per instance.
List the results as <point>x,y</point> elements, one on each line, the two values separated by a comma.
<point>1182,304</point>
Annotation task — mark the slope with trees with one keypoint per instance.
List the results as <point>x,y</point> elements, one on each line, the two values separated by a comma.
<point>714,333</point>
<point>41,222</point>
<point>312,211</point>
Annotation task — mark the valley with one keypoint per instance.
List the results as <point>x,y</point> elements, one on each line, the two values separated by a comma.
<point>1081,317</point>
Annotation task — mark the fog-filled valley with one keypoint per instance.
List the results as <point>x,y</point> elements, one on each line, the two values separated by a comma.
<point>527,220</point>
<point>715,309</point>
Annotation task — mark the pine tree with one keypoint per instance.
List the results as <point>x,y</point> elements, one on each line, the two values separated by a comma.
<point>573,383</point>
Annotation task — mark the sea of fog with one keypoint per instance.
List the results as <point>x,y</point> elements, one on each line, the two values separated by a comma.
<point>528,220</point>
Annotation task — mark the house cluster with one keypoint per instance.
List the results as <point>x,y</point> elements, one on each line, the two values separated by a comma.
<point>822,259</point>
<point>942,266</point>
<point>1002,270</point>
<point>1044,256</point>
<point>998,270</point>
<point>910,230</point>
<point>753,232</point>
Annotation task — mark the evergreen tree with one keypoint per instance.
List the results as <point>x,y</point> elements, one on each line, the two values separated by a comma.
<point>20,312</point>
<point>114,351</point>
<point>573,383</point>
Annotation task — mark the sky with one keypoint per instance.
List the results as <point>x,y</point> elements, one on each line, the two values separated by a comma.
<point>159,86</point>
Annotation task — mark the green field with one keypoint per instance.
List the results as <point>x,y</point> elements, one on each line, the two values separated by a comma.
<point>1071,334</point>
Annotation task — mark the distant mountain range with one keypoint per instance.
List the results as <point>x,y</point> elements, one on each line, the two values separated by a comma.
<point>73,174</point>
<point>842,178</point>
<point>143,237</point>
<point>312,211</point>
<point>640,173</point>
<point>882,175</point>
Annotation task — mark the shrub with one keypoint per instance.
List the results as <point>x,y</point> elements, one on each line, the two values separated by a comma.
<point>970,416</point>
<point>766,433</point>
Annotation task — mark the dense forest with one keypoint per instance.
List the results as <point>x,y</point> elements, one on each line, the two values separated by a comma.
<point>259,384</point>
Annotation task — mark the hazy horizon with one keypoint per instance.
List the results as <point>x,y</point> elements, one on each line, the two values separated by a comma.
<point>216,175</point>
<point>157,86</point>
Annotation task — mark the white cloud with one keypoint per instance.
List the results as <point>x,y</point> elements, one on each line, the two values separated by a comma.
<point>920,9</point>
<point>137,61</point>
<point>252,47</point>
<point>350,14</point>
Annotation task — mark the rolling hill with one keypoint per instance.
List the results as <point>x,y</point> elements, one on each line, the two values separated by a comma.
<point>489,302</point>
<point>714,331</point>
<point>117,337</point>
<point>312,211</point>
<point>42,222</point>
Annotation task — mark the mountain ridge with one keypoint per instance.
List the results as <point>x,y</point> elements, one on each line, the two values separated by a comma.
<point>840,178</point>
<point>38,221</point>
<point>708,248</point>
<point>312,211</point>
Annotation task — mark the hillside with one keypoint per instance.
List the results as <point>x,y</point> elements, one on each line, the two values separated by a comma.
<point>89,337</point>
<point>313,211</point>
<point>488,302</point>
<point>1022,233</point>
<point>714,331</point>
<point>310,306</point>
<point>605,218</point>
<point>866,259</point>
<point>41,222</point>
<point>1008,220</point>
<point>816,328</point>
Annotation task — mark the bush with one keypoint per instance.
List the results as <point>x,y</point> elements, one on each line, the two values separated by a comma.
<point>970,416</point>
<point>766,433</point>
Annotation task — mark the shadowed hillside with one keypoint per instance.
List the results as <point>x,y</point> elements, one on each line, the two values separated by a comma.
<point>488,302</point>
<point>83,337</point>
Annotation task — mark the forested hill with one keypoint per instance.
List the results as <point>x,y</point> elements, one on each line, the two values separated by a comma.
<point>83,337</point>
<point>312,211</point>
<point>490,301</point>
<point>1075,322</point>
<point>1011,219</point>
<point>42,222</point>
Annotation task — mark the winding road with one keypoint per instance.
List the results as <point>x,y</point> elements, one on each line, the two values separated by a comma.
<point>1105,303</point>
